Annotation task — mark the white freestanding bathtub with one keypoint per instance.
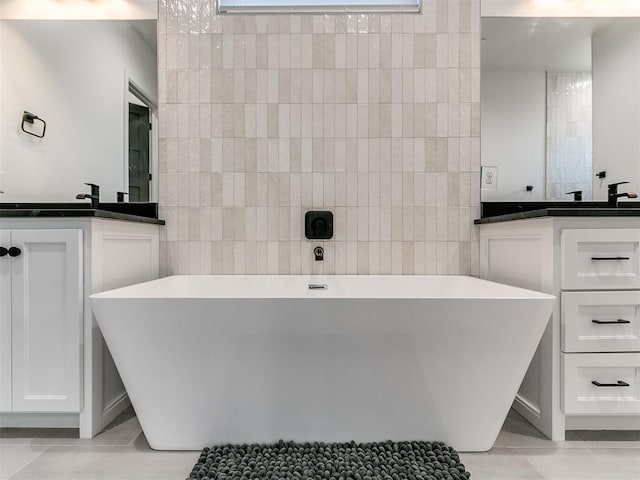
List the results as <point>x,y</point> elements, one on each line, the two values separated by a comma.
<point>242,359</point>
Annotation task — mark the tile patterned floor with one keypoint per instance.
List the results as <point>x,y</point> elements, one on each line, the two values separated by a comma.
<point>122,453</point>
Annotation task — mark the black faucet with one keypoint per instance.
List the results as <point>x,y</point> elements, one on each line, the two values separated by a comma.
<point>577,195</point>
<point>614,195</point>
<point>319,254</point>
<point>94,196</point>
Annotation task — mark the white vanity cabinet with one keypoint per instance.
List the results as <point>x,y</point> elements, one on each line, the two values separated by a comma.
<point>40,320</point>
<point>55,369</point>
<point>600,282</point>
<point>586,371</point>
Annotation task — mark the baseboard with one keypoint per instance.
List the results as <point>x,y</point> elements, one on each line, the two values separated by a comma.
<point>115,408</point>
<point>39,420</point>
<point>527,410</point>
<point>610,422</point>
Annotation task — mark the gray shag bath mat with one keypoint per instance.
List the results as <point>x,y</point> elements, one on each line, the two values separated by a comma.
<point>329,461</point>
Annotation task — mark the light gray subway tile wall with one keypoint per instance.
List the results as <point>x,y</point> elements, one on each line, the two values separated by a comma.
<point>374,117</point>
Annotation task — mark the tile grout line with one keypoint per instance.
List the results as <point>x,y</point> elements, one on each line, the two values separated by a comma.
<point>30,462</point>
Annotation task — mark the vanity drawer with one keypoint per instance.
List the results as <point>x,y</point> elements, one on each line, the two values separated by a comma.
<point>600,321</point>
<point>601,383</point>
<point>600,259</point>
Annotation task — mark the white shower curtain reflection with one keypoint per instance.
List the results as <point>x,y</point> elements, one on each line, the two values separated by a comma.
<point>569,143</point>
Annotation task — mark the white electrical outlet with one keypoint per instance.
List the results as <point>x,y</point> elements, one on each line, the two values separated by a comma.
<point>489,176</point>
<point>1,182</point>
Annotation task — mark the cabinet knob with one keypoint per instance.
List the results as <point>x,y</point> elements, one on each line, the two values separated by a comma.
<point>14,251</point>
<point>3,251</point>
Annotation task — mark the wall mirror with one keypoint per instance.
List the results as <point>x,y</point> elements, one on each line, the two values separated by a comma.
<point>560,102</point>
<point>95,84</point>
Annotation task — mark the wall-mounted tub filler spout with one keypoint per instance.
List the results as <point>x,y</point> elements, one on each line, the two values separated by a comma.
<point>319,254</point>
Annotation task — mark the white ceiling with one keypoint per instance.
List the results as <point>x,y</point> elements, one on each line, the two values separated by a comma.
<point>558,44</point>
<point>78,9</point>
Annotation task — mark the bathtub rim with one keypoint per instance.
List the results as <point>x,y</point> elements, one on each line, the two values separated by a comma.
<point>143,290</point>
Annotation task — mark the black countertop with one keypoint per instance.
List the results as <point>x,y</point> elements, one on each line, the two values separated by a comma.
<point>493,212</point>
<point>132,212</point>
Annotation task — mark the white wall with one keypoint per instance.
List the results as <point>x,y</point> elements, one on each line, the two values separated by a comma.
<point>72,74</point>
<point>559,8</point>
<point>513,120</point>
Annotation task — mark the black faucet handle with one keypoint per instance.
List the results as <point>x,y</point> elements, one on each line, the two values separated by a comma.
<point>613,188</point>
<point>95,195</point>
<point>577,195</point>
<point>614,195</point>
<point>95,189</point>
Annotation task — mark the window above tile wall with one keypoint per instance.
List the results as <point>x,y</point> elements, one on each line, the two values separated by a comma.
<point>319,6</point>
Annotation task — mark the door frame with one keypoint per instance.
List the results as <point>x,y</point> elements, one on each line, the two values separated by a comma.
<point>130,86</point>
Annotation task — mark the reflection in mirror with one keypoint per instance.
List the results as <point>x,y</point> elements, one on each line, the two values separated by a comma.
<point>76,74</point>
<point>551,110</point>
<point>569,151</point>
<point>142,158</point>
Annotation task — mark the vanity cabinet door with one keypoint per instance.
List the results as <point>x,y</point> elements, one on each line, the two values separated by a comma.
<point>46,293</point>
<point>5,322</point>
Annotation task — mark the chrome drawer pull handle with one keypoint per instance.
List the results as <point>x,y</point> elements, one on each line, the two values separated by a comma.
<point>619,383</point>
<point>318,286</point>
<point>610,258</point>
<point>620,321</point>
